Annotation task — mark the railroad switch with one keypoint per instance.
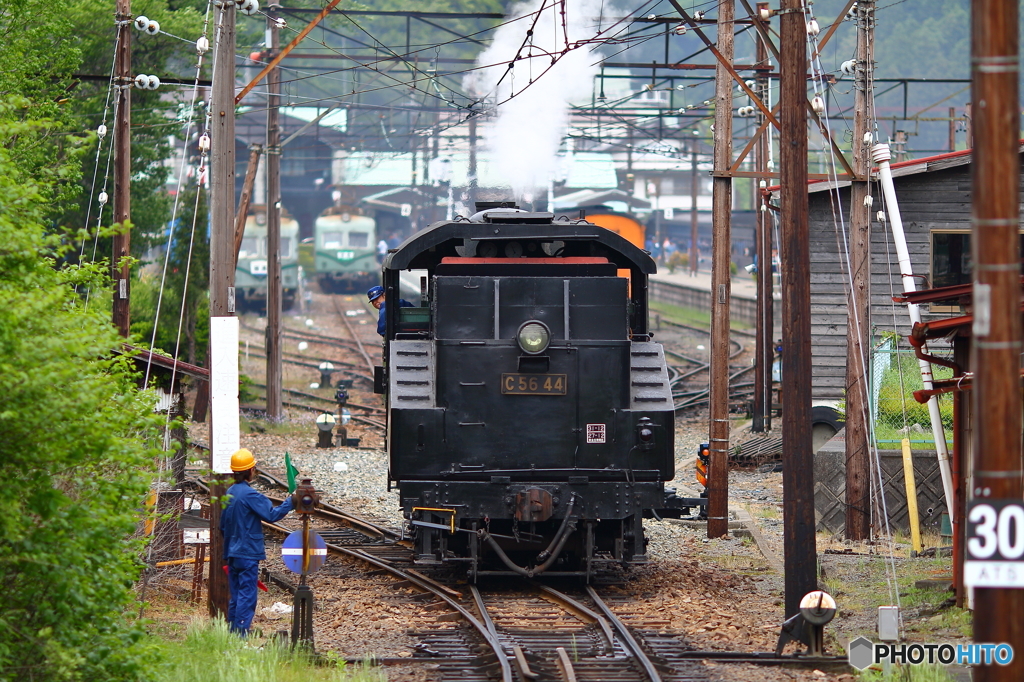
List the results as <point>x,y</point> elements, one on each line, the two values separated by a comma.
<point>817,609</point>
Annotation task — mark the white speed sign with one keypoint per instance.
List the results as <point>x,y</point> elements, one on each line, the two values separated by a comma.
<point>995,544</point>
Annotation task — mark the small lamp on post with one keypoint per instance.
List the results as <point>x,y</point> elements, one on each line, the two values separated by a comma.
<point>325,424</point>
<point>326,369</point>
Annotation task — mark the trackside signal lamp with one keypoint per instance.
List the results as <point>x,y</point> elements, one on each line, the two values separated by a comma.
<point>703,460</point>
<point>645,433</point>
<point>533,337</point>
<point>305,497</point>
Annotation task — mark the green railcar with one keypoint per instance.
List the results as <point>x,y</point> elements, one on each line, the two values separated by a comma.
<point>252,268</point>
<point>345,252</point>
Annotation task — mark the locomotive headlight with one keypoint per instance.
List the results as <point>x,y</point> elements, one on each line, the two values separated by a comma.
<point>533,337</point>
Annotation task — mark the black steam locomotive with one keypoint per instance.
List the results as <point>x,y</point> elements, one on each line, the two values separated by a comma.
<point>530,418</point>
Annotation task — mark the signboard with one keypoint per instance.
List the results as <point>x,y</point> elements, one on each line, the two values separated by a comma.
<point>224,391</point>
<point>291,552</point>
<point>596,433</point>
<point>995,544</point>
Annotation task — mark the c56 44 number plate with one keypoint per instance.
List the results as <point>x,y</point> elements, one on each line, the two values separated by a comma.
<point>533,384</point>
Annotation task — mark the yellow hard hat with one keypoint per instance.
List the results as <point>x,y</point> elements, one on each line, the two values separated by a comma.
<point>242,460</point>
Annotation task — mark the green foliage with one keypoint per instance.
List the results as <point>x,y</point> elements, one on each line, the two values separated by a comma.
<point>211,653</point>
<point>678,259</point>
<point>76,445</point>
<point>897,407</point>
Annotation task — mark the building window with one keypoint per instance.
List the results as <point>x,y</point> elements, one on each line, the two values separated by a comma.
<point>951,261</point>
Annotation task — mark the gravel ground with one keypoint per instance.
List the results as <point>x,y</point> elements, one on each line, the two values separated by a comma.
<point>719,594</point>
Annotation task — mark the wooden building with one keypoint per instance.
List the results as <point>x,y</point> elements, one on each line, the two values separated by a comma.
<point>935,202</point>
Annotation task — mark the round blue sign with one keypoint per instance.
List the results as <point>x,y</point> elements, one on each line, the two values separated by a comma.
<point>291,552</point>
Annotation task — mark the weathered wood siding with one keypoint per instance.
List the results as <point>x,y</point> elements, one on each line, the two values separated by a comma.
<point>928,201</point>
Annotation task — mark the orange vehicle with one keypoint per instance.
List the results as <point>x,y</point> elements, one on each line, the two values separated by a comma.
<point>622,224</point>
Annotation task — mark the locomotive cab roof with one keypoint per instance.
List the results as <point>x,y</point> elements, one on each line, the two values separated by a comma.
<point>574,239</point>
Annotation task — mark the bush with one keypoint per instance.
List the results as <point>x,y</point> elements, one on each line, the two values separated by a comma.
<point>678,259</point>
<point>75,455</point>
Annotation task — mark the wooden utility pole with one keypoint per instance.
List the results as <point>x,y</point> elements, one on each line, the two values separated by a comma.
<point>694,232</point>
<point>222,257</point>
<point>858,325</point>
<point>273,340</point>
<point>721,285</point>
<point>763,357</point>
<point>798,461</point>
<point>996,339</point>
<point>952,129</point>
<point>120,272</point>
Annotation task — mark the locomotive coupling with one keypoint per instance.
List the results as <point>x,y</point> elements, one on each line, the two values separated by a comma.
<point>305,497</point>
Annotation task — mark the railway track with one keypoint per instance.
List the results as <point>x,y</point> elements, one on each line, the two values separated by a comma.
<point>688,388</point>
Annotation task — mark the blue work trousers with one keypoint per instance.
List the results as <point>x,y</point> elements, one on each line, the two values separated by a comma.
<point>242,577</point>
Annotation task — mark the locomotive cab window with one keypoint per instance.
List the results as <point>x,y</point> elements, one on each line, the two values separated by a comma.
<point>358,240</point>
<point>332,240</point>
<point>249,248</point>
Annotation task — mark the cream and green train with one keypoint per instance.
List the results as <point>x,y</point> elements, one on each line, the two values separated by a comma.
<point>345,251</point>
<point>251,271</point>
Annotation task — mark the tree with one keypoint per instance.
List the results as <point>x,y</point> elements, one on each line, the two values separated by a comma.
<point>77,442</point>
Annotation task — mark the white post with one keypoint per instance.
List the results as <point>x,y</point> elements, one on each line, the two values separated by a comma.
<point>880,155</point>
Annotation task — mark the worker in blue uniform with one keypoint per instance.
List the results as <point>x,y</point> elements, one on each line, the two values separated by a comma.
<point>377,300</point>
<point>243,538</point>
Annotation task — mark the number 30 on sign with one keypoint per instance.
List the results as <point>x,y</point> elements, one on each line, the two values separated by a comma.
<point>995,544</point>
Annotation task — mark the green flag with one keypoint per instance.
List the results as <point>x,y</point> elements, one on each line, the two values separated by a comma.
<point>293,473</point>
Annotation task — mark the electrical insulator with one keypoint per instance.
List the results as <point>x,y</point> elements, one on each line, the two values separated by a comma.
<point>141,22</point>
<point>698,15</point>
<point>881,216</point>
<point>751,84</point>
<point>152,82</point>
<point>763,11</point>
<point>281,23</point>
<point>712,127</point>
<point>680,87</point>
<point>141,81</point>
<point>867,138</point>
<point>204,143</point>
<point>868,200</point>
<point>818,104</point>
<point>848,66</point>
<point>652,17</point>
<point>203,45</point>
<point>102,131</point>
<point>812,27</point>
<point>771,166</point>
<point>153,27</point>
<point>762,184</point>
<point>103,198</point>
<point>681,30</point>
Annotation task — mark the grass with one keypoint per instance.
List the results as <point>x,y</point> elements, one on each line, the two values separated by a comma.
<point>697,318</point>
<point>210,653</point>
<point>907,673</point>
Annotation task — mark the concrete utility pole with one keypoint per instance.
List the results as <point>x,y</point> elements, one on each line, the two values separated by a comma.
<point>121,274</point>
<point>273,340</point>
<point>798,463</point>
<point>222,256</point>
<point>472,180</point>
<point>763,355</point>
<point>721,285</point>
<point>996,339</point>
<point>858,326</point>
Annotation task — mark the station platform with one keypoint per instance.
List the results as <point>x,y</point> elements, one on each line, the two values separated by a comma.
<point>694,291</point>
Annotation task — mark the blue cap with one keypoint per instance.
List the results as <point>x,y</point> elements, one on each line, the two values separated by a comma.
<point>374,293</point>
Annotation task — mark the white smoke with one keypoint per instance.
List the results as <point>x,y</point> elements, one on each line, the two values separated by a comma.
<point>524,138</point>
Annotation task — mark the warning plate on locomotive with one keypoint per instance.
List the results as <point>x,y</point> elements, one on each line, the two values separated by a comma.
<point>533,384</point>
